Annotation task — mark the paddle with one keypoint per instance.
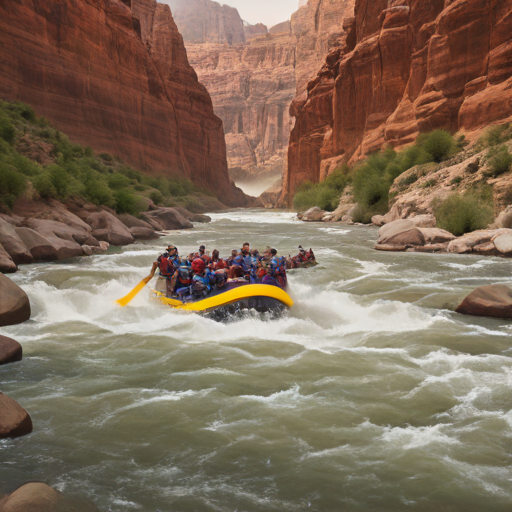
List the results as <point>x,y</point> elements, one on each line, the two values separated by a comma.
<point>128,298</point>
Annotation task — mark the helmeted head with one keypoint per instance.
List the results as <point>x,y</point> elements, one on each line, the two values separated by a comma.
<point>273,252</point>
<point>202,249</point>
<point>172,250</point>
<point>215,254</point>
<point>198,266</point>
<point>234,253</point>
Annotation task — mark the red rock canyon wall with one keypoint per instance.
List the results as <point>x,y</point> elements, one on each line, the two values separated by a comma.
<point>403,67</point>
<point>114,75</point>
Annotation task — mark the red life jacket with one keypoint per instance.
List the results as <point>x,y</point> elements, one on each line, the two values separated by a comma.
<point>165,266</point>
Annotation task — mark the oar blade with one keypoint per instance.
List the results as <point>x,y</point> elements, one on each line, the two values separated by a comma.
<point>128,298</point>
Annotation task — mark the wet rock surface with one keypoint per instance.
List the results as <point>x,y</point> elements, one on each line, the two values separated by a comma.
<point>14,420</point>
<point>493,301</point>
<point>39,497</point>
<point>14,303</point>
<point>10,350</point>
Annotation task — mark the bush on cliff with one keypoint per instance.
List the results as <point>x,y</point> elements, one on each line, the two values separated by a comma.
<point>439,144</point>
<point>325,195</point>
<point>463,213</point>
<point>500,160</point>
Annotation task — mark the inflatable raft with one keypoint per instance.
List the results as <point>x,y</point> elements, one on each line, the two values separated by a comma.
<point>235,298</point>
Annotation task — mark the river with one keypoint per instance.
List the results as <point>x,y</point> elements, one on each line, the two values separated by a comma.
<point>370,395</point>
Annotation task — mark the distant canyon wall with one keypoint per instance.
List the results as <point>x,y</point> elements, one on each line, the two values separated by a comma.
<point>253,83</point>
<point>114,75</point>
<point>403,67</point>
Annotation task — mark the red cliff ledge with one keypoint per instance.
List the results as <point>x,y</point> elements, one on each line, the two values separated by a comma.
<point>114,75</point>
<point>406,66</point>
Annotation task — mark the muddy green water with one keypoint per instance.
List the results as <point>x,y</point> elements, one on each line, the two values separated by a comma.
<point>371,395</point>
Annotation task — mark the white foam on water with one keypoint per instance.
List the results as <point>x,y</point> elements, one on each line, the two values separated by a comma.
<point>411,438</point>
<point>335,231</point>
<point>256,217</point>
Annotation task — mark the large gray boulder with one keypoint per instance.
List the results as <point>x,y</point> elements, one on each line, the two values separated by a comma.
<point>400,233</point>
<point>40,247</point>
<point>166,219</point>
<point>503,243</point>
<point>7,266</point>
<point>108,228</point>
<point>10,350</point>
<point>468,242</point>
<point>493,301</point>
<point>436,235</point>
<point>14,303</point>
<point>39,497</point>
<point>12,243</point>
<point>14,420</point>
<point>192,217</point>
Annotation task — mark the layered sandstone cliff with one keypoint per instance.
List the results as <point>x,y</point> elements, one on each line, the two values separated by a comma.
<point>114,75</point>
<point>252,86</point>
<point>404,67</point>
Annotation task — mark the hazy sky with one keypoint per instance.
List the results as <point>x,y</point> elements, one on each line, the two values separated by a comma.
<point>269,12</point>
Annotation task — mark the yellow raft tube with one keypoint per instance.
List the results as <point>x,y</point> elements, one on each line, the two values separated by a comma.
<point>243,296</point>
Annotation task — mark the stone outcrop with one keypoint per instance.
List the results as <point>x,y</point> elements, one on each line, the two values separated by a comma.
<point>114,75</point>
<point>10,350</point>
<point>14,303</point>
<point>7,265</point>
<point>493,301</point>
<point>167,218</point>
<point>403,68</point>
<point>36,496</point>
<point>14,420</point>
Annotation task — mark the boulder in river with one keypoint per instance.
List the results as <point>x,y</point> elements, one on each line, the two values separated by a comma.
<point>503,243</point>
<point>108,228</point>
<point>167,219</point>
<point>39,497</point>
<point>468,242</point>
<point>493,301</point>
<point>314,214</point>
<point>14,420</point>
<point>193,217</point>
<point>39,246</point>
<point>401,234</point>
<point>7,266</point>
<point>14,303</point>
<point>10,350</point>
<point>13,244</point>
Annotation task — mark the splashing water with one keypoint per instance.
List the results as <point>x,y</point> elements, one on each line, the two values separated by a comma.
<point>370,394</point>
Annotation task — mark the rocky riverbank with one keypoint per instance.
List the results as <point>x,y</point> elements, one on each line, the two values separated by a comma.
<point>40,231</point>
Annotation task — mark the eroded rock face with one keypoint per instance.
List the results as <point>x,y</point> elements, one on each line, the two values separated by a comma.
<point>115,76</point>
<point>404,67</point>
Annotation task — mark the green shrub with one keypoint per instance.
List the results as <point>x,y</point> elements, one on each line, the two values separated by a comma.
<point>409,180</point>
<point>118,181</point>
<point>500,160</point>
<point>44,186</point>
<point>12,183</point>
<point>25,165</point>
<point>497,135</point>
<point>156,197</point>
<point>7,130</point>
<point>461,214</point>
<point>97,191</point>
<point>439,144</point>
<point>60,180</point>
<point>125,202</point>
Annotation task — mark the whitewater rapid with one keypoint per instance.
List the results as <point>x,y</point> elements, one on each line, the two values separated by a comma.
<point>370,394</point>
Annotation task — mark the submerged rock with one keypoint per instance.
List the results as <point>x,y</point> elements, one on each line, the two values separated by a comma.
<point>493,301</point>
<point>14,303</point>
<point>10,350</point>
<point>166,219</point>
<point>39,497</point>
<point>14,420</point>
